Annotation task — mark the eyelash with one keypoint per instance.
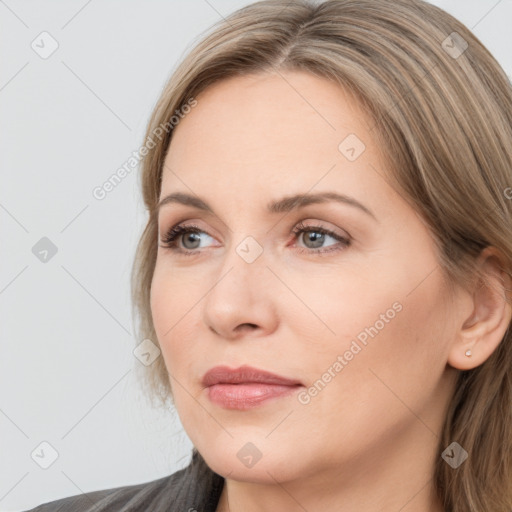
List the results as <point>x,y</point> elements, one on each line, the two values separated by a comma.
<point>169,240</point>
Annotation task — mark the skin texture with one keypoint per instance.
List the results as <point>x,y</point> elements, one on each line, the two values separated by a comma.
<point>367,441</point>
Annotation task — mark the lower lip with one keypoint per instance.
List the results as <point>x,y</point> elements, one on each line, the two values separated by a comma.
<point>246,396</point>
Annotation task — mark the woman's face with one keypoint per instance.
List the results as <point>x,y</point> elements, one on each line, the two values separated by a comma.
<point>359,318</point>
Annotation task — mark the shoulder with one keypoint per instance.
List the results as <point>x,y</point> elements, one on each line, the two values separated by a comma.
<point>195,488</point>
<point>138,496</point>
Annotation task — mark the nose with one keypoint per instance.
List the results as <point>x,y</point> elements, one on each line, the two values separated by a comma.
<point>242,297</point>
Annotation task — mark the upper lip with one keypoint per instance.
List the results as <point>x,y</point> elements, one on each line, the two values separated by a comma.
<point>244,374</point>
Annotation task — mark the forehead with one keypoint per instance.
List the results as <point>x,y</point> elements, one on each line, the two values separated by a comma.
<point>292,107</point>
<point>283,131</point>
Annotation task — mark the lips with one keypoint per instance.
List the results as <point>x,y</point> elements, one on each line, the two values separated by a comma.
<point>244,375</point>
<point>245,387</point>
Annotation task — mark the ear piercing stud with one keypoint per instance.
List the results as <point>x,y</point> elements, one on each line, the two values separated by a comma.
<point>468,352</point>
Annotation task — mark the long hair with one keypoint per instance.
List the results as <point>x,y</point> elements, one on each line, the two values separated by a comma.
<point>441,111</point>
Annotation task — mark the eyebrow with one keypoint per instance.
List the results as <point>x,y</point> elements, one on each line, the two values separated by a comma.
<point>284,205</point>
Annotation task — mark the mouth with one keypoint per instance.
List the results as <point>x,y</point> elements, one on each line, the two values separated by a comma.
<point>246,387</point>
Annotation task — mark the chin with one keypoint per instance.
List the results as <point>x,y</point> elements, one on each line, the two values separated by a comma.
<point>252,462</point>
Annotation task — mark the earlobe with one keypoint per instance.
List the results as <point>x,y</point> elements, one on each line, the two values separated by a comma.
<point>483,330</point>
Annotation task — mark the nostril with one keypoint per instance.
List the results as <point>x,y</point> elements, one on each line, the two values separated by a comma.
<point>247,327</point>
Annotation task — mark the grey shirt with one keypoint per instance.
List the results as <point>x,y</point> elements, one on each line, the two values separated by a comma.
<point>195,488</point>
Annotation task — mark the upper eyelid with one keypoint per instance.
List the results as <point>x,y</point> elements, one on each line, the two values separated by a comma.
<point>187,217</point>
<point>189,224</point>
<point>298,226</point>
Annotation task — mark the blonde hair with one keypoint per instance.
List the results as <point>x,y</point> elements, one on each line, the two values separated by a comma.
<point>442,115</point>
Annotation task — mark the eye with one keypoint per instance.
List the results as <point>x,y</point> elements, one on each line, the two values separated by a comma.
<point>190,241</point>
<point>316,238</point>
<point>190,236</point>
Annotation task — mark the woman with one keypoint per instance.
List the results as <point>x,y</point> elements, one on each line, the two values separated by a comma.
<point>326,265</point>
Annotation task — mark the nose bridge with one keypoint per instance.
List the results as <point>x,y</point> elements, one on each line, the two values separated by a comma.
<point>240,293</point>
<point>244,264</point>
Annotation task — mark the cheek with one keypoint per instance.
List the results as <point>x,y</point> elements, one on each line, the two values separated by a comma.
<point>380,380</point>
<point>175,325</point>
<point>160,307</point>
<point>171,297</point>
<point>404,354</point>
<point>175,302</point>
<point>343,303</point>
<point>385,324</point>
<point>168,312</point>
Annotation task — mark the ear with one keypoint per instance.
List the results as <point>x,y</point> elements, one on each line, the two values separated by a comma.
<point>484,328</point>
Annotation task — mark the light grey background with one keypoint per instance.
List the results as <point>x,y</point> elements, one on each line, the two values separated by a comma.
<point>67,372</point>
